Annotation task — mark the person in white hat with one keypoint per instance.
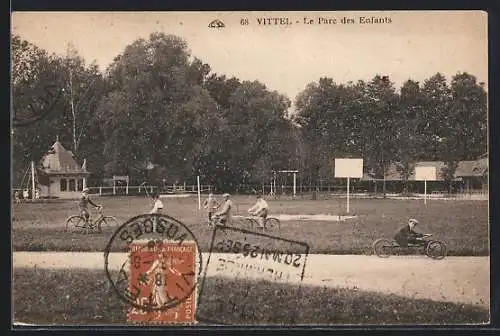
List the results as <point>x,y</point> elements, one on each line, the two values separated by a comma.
<point>261,210</point>
<point>224,214</point>
<point>84,204</point>
<point>407,234</point>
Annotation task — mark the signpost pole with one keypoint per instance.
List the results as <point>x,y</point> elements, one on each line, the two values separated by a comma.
<point>199,191</point>
<point>348,189</point>
<point>294,184</point>
<point>425,191</point>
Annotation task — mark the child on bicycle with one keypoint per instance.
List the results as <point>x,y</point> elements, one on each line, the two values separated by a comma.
<point>84,204</point>
<point>407,234</point>
<point>158,204</point>
<point>260,209</point>
<point>223,216</point>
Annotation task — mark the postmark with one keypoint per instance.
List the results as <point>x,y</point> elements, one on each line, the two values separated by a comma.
<point>160,266</point>
<point>240,260</point>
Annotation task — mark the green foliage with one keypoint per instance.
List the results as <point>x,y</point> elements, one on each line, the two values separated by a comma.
<point>83,297</point>
<point>36,79</point>
<point>158,105</point>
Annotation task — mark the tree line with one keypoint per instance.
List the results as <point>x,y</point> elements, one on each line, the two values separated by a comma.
<point>158,112</point>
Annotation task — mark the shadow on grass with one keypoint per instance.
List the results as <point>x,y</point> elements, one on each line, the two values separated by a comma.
<point>80,297</point>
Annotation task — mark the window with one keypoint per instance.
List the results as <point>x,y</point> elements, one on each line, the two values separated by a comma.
<point>64,185</point>
<point>72,185</point>
<point>80,185</point>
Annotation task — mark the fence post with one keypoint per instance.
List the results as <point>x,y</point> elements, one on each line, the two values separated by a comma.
<point>100,191</point>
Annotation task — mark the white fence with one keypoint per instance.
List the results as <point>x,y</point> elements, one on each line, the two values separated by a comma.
<point>147,189</point>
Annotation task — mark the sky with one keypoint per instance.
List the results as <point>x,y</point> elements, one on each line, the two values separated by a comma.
<point>406,45</point>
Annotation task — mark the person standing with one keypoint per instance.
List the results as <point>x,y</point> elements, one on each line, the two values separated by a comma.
<point>210,204</point>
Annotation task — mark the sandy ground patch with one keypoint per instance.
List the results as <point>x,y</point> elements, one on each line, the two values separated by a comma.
<point>454,279</point>
<point>319,217</point>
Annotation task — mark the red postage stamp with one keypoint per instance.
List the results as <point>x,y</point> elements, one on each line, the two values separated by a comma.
<point>163,276</point>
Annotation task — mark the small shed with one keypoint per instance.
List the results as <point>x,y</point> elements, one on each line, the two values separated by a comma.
<point>64,177</point>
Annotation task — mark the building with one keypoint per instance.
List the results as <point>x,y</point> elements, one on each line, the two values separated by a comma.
<point>63,176</point>
<point>473,174</point>
<point>469,176</point>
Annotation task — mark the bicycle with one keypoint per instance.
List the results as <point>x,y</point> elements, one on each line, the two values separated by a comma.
<point>250,222</point>
<point>79,221</point>
<point>435,249</point>
<point>216,221</point>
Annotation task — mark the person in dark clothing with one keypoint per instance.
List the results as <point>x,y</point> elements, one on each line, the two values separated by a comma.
<point>407,234</point>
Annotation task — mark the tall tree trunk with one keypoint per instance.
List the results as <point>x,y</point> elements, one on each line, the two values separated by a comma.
<point>73,113</point>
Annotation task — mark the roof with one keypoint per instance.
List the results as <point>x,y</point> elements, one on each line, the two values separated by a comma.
<point>465,168</point>
<point>59,160</point>
<point>475,168</point>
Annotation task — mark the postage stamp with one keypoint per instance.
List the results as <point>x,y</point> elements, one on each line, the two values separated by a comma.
<point>160,273</point>
<point>160,270</point>
<point>242,263</point>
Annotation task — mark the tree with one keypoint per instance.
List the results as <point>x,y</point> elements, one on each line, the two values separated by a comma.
<point>467,125</point>
<point>434,119</point>
<point>36,70</point>
<point>253,117</point>
<point>325,119</point>
<point>36,92</point>
<point>408,139</point>
<point>158,90</point>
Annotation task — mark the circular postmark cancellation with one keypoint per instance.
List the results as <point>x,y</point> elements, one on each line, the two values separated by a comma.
<point>153,263</point>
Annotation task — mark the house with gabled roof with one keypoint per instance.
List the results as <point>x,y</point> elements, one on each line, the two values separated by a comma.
<point>64,177</point>
<point>469,175</point>
<point>474,174</point>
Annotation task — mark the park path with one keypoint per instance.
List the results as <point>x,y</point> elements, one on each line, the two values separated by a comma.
<point>455,279</point>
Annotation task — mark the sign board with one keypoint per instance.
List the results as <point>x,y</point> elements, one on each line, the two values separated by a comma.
<point>352,168</point>
<point>425,174</point>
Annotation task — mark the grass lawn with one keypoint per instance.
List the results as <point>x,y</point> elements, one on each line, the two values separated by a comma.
<point>463,225</point>
<point>80,297</point>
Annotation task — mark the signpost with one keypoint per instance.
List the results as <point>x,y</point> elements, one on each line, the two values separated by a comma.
<point>120,178</point>
<point>348,168</point>
<point>425,174</point>
<point>199,191</point>
<point>294,172</point>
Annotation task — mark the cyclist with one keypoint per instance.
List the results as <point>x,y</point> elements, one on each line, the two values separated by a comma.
<point>260,209</point>
<point>83,204</point>
<point>158,204</point>
<point>223,216</point>
<point>407,234</point>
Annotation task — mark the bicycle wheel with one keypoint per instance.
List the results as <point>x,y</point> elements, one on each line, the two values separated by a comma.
<point>107,222</point>
<point>75,221</point>
<point>273,223</point>
<point>249,223</point>
<point>382,247</point>
<point>436,249</point>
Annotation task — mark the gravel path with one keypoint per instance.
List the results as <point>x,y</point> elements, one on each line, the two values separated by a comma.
<point>455,279</point>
